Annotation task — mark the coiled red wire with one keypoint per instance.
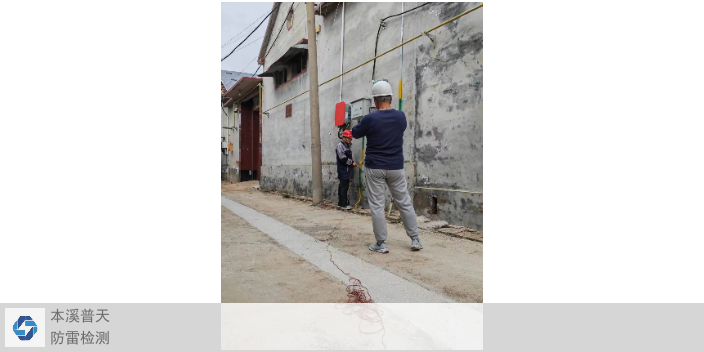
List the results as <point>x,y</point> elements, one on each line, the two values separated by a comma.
<point>356,294</point>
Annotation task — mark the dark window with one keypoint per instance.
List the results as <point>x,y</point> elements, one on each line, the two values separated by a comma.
<point>279,77</point>
<point>298,63</point>
<point>295,65</point>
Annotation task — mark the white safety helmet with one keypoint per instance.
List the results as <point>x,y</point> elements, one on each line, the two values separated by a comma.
<point>381,88</point>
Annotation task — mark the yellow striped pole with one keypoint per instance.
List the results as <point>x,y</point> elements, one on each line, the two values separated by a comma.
<point>400,94</point>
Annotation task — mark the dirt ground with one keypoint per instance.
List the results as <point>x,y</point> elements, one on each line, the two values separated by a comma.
<point>256,269</point>
<point>447,265</point>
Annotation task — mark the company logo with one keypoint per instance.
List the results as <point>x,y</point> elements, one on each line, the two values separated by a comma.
<point>25,327</point>
<point>30,328</point>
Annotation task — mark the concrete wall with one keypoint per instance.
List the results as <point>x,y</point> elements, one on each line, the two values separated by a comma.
<point>228,119</point>
<point>235,120</point>
<point>223,133</point>
<point>442,99</point>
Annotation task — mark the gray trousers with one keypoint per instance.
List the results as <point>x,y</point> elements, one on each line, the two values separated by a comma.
<point>376,180</point>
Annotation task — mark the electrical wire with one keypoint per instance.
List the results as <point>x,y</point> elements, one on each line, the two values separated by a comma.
<point>282,27</point>
<point>228,117</point>
<point>250,43</point>
<point>255,72</point>
<point>223,108</point>
<point>240,33</point>
<point>376,45</point>
<point>322,59</point>
<point>356,292</point>
<point>252,32</point>
<point>359,300</point>
<point>382,24</point>
<point>277,37</point>
<point>244,70</point>
<point>399,14</point>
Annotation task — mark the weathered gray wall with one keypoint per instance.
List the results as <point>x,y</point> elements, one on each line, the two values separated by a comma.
<point>442,99</point>
<point>223,133</point>
<point>228,119</point>
<point>236,121</point>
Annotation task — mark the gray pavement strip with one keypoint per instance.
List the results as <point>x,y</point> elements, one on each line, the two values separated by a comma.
<point>383,285</point>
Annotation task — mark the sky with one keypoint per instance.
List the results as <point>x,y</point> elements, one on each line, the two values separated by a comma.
<point>235,17</point>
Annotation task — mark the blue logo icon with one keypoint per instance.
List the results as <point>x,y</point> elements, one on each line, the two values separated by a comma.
<point>28,324</point>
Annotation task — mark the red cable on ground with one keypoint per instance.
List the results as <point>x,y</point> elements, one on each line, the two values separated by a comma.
<point>356,294</point>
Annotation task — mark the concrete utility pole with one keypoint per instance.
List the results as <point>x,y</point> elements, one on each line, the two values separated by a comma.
<point>314,108</point>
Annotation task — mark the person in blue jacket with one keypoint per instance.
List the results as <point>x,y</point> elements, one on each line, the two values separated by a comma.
<point>383,166</point>
<point>345,165</point>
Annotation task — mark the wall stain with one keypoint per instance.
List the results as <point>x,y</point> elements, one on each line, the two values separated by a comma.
<point>452,27</point>
<point>459,93</point>
<point>418,133</point>
<point>426,154</point>
<point>452,9</point>
<point>438,135</point>
<point>473,45</point>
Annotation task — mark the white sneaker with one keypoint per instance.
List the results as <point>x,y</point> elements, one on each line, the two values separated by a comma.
<point>376,247</point>
<point>415,244</point>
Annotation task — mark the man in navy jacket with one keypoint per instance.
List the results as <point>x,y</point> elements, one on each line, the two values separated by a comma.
<point>383,166</point>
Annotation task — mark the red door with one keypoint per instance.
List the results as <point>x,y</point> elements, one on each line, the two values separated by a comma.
<point>250,151</point>
<point>246,137</point>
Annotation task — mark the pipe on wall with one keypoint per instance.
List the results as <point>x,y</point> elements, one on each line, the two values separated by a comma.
<point>400,81</point>
<point>342,46</point>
